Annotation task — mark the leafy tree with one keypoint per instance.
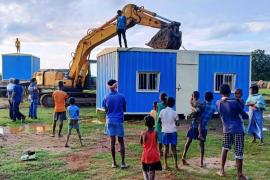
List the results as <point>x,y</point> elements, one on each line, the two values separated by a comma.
<point>260,65</point>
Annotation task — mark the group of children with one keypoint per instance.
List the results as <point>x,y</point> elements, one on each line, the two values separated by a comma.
<point>163,132</point>
<point>164,117</point>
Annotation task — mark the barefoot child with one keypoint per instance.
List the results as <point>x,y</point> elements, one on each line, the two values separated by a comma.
<point>59,97</point>
<point>153,112</point>
<point>230,112</point>
<point>256,105</point>
<point>168,119</point>
<point>150,154</point>
<point>73,112</point>
<point>193,133</point>
<point>161,105</point>
<point>196,107</point>
<point>238,95</point>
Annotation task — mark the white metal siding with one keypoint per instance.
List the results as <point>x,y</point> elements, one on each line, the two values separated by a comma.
<point>186,80</point>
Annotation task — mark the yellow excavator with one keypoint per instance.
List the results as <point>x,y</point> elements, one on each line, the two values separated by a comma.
<point>169,37</point>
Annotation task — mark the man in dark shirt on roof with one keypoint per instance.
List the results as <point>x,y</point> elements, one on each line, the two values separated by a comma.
<point>230,111</point>
<point>115,106</point>
<point>121,26</point>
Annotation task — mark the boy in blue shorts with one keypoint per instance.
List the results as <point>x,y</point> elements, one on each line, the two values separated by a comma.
<point>168,119</point>
<point>73,112</point>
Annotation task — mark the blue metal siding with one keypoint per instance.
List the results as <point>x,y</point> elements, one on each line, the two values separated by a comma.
<point>18,66</point>
<point>35,64</point>
<point>106,65</point>
<point>132,62</point>
<point>209,64</point>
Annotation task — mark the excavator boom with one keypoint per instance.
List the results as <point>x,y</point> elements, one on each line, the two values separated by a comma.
<point>169,37</point>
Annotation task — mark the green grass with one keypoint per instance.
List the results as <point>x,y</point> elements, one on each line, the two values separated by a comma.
<point>50,165</point>
<point>265,92</point>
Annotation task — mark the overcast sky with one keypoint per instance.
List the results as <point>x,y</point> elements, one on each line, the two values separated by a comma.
<point>51,29</point>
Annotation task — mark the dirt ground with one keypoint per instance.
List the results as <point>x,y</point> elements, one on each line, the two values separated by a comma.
<point>3,103</point>
<point>35,137</point>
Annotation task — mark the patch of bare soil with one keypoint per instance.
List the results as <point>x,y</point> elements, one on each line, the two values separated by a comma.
<point>164,175</point>
<point>5,176</point>
<point>35,142</point>
<point>210,164</point>
<point>3,103</point>
<point>78,161</point>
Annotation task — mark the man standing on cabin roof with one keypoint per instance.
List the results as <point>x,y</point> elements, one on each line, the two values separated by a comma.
<point>121,26</point>
<point>18,45</point>
<point>115,106</point>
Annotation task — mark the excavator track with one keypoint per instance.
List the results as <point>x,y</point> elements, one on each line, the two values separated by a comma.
<point>82,99</point>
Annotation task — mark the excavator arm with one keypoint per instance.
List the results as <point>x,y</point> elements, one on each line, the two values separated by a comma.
<point>134,15</point>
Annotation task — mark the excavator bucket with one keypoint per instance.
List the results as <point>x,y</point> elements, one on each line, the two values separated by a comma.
<point>168,37</point>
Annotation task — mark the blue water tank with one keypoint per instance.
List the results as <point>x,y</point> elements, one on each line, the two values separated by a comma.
<point>19,66</point>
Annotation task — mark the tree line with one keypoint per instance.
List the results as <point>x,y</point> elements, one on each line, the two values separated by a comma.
<point>260,65</point>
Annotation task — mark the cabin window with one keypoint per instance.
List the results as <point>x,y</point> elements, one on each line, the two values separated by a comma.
<point>148,81</point>
<point>221,78</point>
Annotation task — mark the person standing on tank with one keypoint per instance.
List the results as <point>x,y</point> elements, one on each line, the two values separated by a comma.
<point>121,26</point>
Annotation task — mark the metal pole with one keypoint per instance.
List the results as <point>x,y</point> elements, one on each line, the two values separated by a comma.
<point>164,18</point>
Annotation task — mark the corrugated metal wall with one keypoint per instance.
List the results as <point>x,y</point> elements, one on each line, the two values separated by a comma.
<point>35,64</point>
<point>19,66</point>
<point>132,61</point>
<point>209,64</point>
<point>106,70</point>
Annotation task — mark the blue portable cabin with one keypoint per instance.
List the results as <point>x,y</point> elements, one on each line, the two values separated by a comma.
<point>19,66</point>
<point>143,74</point>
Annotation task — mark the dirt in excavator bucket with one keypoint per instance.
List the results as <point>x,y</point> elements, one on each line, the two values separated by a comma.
<point>167,38</point>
